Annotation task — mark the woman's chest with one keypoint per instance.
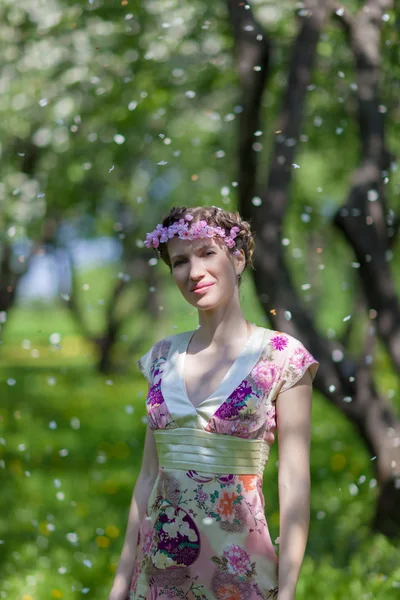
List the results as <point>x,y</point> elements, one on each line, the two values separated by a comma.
<point>218,393</point>
<point>203,373</point>
<point>243,409</point>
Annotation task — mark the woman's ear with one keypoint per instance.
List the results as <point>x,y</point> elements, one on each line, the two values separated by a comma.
<point>240,261</point>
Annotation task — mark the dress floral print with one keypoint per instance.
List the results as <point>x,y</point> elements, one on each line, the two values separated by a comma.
<point>205,535</point>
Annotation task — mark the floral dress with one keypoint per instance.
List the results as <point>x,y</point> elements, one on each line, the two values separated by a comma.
<point>205,535</point>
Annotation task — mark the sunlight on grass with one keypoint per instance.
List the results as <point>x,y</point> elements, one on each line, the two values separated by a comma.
<point>71,443</point>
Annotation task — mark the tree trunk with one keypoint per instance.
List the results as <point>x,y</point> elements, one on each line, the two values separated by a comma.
<point>369,229</point>
<point>348,384</point>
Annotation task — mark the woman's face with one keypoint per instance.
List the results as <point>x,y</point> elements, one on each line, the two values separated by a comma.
<point>201,262</point>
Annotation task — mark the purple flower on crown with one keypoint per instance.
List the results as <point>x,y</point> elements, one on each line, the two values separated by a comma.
<point>209,232</point>
<point>171,233</point>
<point>220,231</point>
<point>164,235</point>
<point>196,227</point>
<point>151,240</point>
<point>185,234</point>
<point>201,229</point>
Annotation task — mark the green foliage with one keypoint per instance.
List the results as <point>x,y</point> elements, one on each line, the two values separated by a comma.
<point>130,105</point>
<point>72,449</point>
<point>72,454</point>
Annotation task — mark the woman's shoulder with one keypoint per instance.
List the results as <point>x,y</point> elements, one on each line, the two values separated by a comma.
<point>291,356</point>
<point>280,339</point>
<point>282,346</point>
<point>166,342</point>
<point>151,362</point>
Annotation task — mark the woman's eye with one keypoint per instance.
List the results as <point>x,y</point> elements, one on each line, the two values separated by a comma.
<point>179,262</point>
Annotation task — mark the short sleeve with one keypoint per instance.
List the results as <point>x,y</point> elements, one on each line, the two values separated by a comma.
<point>298,359</point>
<point>144,364</point>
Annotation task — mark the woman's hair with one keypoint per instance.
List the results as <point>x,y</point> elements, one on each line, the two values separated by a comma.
<point>216,217</point>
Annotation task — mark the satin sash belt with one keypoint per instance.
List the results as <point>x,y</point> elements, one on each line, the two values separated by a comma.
<point>196,450</point>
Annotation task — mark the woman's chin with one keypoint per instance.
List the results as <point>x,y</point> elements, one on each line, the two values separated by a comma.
<point>201,301</point>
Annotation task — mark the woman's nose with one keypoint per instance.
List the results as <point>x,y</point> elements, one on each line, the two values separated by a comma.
<point>196,269</point>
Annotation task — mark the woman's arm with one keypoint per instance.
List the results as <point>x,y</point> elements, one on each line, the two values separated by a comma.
<point>140,497</point>
<point>293,413</point>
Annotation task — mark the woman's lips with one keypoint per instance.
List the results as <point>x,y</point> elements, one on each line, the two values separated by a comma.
<point>203,289</point>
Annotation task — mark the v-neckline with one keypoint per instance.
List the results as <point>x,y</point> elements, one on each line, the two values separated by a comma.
<point>181,366</point>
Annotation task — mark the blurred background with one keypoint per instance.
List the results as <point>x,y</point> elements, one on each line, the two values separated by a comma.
<point>112,113</point>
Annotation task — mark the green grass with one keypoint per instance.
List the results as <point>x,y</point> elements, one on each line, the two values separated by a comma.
<point>72,453</point>
<point>71,446</point>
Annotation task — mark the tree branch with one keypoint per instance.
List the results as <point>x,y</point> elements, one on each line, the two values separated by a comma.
<point>364,217</point>
<point>348,385</point>
<point>253,53</point>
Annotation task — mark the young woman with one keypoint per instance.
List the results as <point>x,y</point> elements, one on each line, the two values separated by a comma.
<point>197,528</point>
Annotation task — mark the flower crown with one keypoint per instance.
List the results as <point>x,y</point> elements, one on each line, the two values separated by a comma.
<point>201,229</point>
